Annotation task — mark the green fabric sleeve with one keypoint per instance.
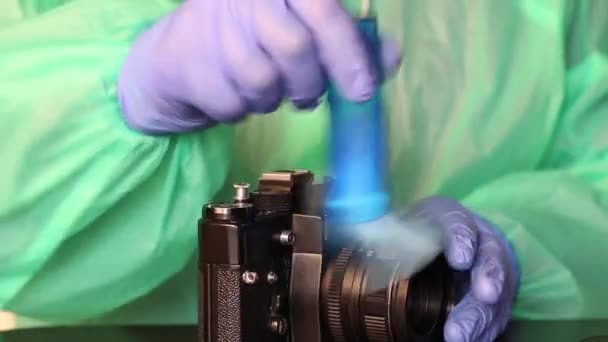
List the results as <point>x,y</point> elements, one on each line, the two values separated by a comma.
<point>92,215</point>
<point>556,217</point>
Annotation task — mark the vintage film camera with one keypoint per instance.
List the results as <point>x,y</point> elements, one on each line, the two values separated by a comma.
<point>272,270</point>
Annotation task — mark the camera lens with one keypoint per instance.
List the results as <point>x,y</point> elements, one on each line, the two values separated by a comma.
<point>426,302</point>
<point>370,298</point>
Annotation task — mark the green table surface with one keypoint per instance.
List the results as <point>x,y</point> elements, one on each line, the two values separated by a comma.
<point>537,331</point>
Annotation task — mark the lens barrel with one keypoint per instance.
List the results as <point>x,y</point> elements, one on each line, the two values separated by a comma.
<point>368,298</point>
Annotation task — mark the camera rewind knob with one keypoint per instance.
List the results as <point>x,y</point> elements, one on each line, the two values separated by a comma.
<point>242,192</point>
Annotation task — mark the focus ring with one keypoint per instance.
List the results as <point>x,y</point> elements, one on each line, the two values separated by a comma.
<point>375,326</point>
<point>334,293</point>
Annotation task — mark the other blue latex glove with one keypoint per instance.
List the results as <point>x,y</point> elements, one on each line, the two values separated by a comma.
<point>472,243</point>
<point>215,61</point>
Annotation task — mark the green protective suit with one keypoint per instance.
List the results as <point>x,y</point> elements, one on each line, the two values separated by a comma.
<point>500,104</point>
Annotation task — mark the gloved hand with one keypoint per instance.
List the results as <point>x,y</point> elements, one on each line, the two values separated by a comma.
<point>216,61</point>
<point>472,243</point>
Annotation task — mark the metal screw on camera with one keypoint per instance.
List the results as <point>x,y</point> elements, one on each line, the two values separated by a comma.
<point>278,326</point>
<point>272,277</point>
<point>250,277</point>
<point>286,238</point>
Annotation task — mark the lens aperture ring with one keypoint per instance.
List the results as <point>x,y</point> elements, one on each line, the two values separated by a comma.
<point>375,299</point>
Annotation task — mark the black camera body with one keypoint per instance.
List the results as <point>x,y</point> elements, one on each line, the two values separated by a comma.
<point>270,269</point>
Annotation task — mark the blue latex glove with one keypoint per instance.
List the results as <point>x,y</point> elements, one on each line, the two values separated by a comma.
<point>472,243</point>
<point>215,61</point>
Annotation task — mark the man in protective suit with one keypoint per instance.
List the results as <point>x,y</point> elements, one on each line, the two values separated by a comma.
<point>120,118</point>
